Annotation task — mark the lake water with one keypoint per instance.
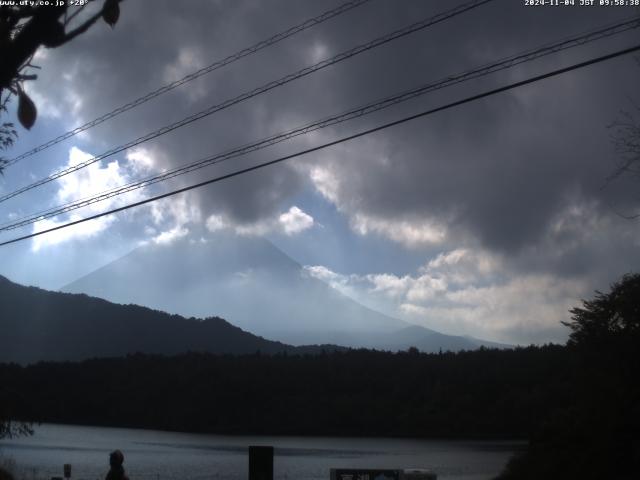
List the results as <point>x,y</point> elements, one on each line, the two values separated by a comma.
<point>154,455</point>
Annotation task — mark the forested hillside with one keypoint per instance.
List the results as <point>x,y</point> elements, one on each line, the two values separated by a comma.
<point>469,394</point>
<point>40,325</point>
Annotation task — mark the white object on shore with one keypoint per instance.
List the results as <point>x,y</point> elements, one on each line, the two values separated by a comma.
<point>382,474</point>
<point>418,474</point>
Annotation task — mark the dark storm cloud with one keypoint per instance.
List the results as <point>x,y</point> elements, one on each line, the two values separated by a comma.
<point>503,169</point>
<point>158,42</point>
<point>500,171</point>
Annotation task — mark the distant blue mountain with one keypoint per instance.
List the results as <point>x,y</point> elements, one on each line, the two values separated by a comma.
<point>255,286</point>
<point>246,280</point>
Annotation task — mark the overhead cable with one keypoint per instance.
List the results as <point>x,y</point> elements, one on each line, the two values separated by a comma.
<point>415,27</point>
<point>371,107</point>
<point>470,99</point>
<point>345,7</point>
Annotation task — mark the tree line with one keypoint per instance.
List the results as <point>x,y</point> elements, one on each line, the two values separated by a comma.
<point>484,393</point>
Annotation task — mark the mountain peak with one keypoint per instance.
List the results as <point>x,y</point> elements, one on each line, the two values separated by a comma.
<point>256,286</point>
<point>246,280</point>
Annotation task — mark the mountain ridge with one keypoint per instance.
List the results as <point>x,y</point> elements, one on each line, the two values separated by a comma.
<point>259,288</point>
<point>246,280</point>
<point>41,325</point>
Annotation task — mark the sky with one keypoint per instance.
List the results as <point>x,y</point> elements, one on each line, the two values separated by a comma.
<point>491,219</point>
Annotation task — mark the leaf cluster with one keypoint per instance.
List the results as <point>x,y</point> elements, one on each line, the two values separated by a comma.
<point>24,29</point>
<point>609,318</point>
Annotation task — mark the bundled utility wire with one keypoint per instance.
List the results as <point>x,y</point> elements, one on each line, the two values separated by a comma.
<point>377,42</point>
<point>369,131</point>
<point>486,69</point>
<point>345,7</point>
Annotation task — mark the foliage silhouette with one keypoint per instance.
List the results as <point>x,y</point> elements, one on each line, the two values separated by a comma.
<point>598,434</point>
<point>610,318</point>
<point>24,29</point>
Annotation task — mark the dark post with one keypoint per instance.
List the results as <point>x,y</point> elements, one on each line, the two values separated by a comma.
<point>260,463</point>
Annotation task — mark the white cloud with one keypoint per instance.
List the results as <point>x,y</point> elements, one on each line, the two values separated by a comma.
<point>425,288</point>
<point>290,223</point>
<point>529,303</point>
<point>81,231</point>
<point>326,182</point>
<point>347,285</point>
<point>448,258</point>
<point>141,160</point>
<point>171,216</point>
<point>467,292</point>
<point>322,273</point>
<point>215,223</point>
<point>389,284</point>
<point>177,210</point>
<point>410,232</point>
<point>295,221</point>
<point>86,182</point>
<point>89,180</point>
<point>463,266</point>
<point>256,229</point>
<point>169,236</point>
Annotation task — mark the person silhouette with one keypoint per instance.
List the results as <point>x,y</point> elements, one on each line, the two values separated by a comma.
<point>116,472</point>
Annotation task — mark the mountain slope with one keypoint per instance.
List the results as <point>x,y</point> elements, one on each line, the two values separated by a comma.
<point>256,286</point>
<point>40,325</point>
<point>245,280</point>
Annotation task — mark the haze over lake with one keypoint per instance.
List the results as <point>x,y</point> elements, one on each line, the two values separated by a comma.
<point>167,455</point>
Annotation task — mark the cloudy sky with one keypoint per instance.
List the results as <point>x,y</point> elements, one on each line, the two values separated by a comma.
<point>491,219</point>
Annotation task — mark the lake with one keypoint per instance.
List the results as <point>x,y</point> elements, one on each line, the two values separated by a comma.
<point>155,455</point>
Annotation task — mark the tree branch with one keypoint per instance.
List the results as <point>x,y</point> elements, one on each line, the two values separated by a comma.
<point>82,28</point>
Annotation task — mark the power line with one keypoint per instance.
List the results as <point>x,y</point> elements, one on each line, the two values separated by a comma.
<point>509,62</point>
<point>354,113</point>
<point>257,91</point>
<point>345,7</point>
<point>336,142</point>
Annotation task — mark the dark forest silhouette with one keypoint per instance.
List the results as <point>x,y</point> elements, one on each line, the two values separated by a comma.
<point>486,393</point>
